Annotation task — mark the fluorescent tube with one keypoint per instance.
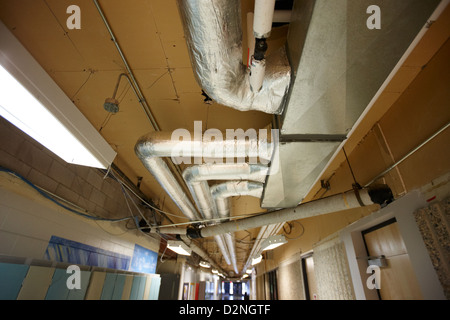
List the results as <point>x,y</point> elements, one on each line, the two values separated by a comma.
<point>33,102</point>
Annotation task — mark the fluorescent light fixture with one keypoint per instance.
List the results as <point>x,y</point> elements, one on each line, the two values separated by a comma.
<point>215,271</point>
<point>205,264</point>
<point>273,242</point>
<point>33,102</point>
<point>249,271</point>
<point>256,260</point>
<point>179,247</point>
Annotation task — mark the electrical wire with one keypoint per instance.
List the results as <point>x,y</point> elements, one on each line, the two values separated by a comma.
<point>290,231</point>
<point>145,202</point>
<point>210,220</point>
<point>43,193</point>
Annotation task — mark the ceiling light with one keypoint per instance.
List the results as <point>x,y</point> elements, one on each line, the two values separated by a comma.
<point>245,276</point>
<point>256,260</point>
<point>34,103</point>
<point>214,271</point>
<point>249,271</point>
<point>273,242</point>
<point>179,247</point>
<point>205,264</point>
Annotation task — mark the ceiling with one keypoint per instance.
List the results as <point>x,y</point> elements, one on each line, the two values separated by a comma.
<point>86,64</point>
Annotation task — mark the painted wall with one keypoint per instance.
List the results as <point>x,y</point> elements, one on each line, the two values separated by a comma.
<point>33,228</point>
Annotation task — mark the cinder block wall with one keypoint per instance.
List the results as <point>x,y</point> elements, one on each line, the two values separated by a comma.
<point>28,220</point>
<point>84,186</point>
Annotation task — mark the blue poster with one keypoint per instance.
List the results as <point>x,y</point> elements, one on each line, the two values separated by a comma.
<point>64,250</point>
<point>144,260</point>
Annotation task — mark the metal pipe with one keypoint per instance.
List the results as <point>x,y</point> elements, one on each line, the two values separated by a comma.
<point>409,154</point>
<point>135,85</point>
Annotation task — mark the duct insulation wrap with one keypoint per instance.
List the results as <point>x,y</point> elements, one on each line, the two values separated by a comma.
<point>340,202</point>
<point>213,35</point>
<point>168,144</point>
<point>151,147</point>
<point>231,171</point>
<point>161,172</point>
<point>222,192</point>
<point>196,178</point>
<point>221,244</point>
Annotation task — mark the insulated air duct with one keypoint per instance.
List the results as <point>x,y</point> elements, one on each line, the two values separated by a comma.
<point>196,178</point>
<point>151,147</point>
<point>214,38</point>
<point>221,194</point>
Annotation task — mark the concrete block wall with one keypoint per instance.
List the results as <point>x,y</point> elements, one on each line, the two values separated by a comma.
<point>290,279</point>
<point>331,270</point>
<point>86,187</point>
<point>28,220</point>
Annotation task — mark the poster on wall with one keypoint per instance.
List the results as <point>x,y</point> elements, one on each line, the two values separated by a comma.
<point>69,251</point>
<point>144,260</point>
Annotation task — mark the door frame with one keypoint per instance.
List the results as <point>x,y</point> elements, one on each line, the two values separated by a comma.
<point>371,229</point>
<point>402,210</point>
<point>305,275</point>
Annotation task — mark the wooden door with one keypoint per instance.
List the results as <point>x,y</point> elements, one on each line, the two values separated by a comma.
<point>397,279</point>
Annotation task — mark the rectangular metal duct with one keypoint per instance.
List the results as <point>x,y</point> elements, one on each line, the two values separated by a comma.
<point>338,66</point>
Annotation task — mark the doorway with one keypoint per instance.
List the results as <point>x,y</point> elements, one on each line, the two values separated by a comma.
<point>309,278</point>
<point>385,246</point>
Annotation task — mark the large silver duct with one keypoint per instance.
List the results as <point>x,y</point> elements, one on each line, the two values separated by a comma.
<point>214,38</point>
<point>155,145</point>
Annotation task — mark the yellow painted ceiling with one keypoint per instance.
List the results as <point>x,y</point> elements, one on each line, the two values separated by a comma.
<point>85,64</point>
